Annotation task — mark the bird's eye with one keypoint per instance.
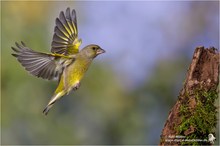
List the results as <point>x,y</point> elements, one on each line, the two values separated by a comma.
<point>94,48</point>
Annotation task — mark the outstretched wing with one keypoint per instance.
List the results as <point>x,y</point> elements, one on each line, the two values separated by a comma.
<point>65,38</point>
<point>46,66</point>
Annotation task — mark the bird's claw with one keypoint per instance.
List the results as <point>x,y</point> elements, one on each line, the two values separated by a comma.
<point>76,86</point>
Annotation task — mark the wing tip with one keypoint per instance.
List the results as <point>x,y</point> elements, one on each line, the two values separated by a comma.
<point>67,9</point>
<point>23,43</point>
<point>15,55</point>
<point>73,12</point>
<point>14,49</point>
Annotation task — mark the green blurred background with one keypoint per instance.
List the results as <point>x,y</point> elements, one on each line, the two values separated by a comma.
<point>127,93</point>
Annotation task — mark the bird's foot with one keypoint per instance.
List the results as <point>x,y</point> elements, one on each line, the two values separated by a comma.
<point>74,88</point>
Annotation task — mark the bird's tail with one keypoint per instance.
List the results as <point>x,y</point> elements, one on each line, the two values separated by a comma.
<point>51,102</point>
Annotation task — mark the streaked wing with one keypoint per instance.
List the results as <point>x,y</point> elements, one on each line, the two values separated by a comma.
<point>65,38</point>
<point>38,64</point>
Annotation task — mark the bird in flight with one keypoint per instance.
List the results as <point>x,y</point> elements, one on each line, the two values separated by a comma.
<point>66,63</point>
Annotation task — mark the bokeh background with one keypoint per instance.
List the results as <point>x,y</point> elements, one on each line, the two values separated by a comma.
<point>127,93</point>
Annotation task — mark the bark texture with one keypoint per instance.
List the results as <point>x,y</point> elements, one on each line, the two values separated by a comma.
<point>193,117</point>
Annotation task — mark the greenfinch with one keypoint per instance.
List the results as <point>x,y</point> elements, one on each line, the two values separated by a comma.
<point>65,63</point>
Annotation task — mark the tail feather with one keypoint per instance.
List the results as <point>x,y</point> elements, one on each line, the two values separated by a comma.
<point>51,102</point>
<point>47,108</point>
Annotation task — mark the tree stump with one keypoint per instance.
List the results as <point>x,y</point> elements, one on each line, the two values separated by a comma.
<point>194,115</point>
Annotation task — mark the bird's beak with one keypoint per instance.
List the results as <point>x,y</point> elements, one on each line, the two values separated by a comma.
<point>100,51</point>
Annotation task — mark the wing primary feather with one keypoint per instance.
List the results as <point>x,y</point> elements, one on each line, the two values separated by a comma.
<point>61,27</point>
<point>58,39</point>
<point>23,43</point>
<point>73,16</point>
<point>69,20</point>
<point>74,21</point>
<point>38,67</point>
<point>55,44</point>
<point>68,13</point>
<point>65,23</point>
<point>60,33</point>
<point>31,62</point>
<point>15,49</point>
<point>18,45</point>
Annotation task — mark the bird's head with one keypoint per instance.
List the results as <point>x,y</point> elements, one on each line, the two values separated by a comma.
<point>91,51</point>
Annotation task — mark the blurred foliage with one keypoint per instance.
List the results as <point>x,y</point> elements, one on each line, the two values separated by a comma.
<point>102,111</point>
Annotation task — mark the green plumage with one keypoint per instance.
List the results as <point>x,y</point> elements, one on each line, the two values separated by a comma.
<point>66,63</point>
